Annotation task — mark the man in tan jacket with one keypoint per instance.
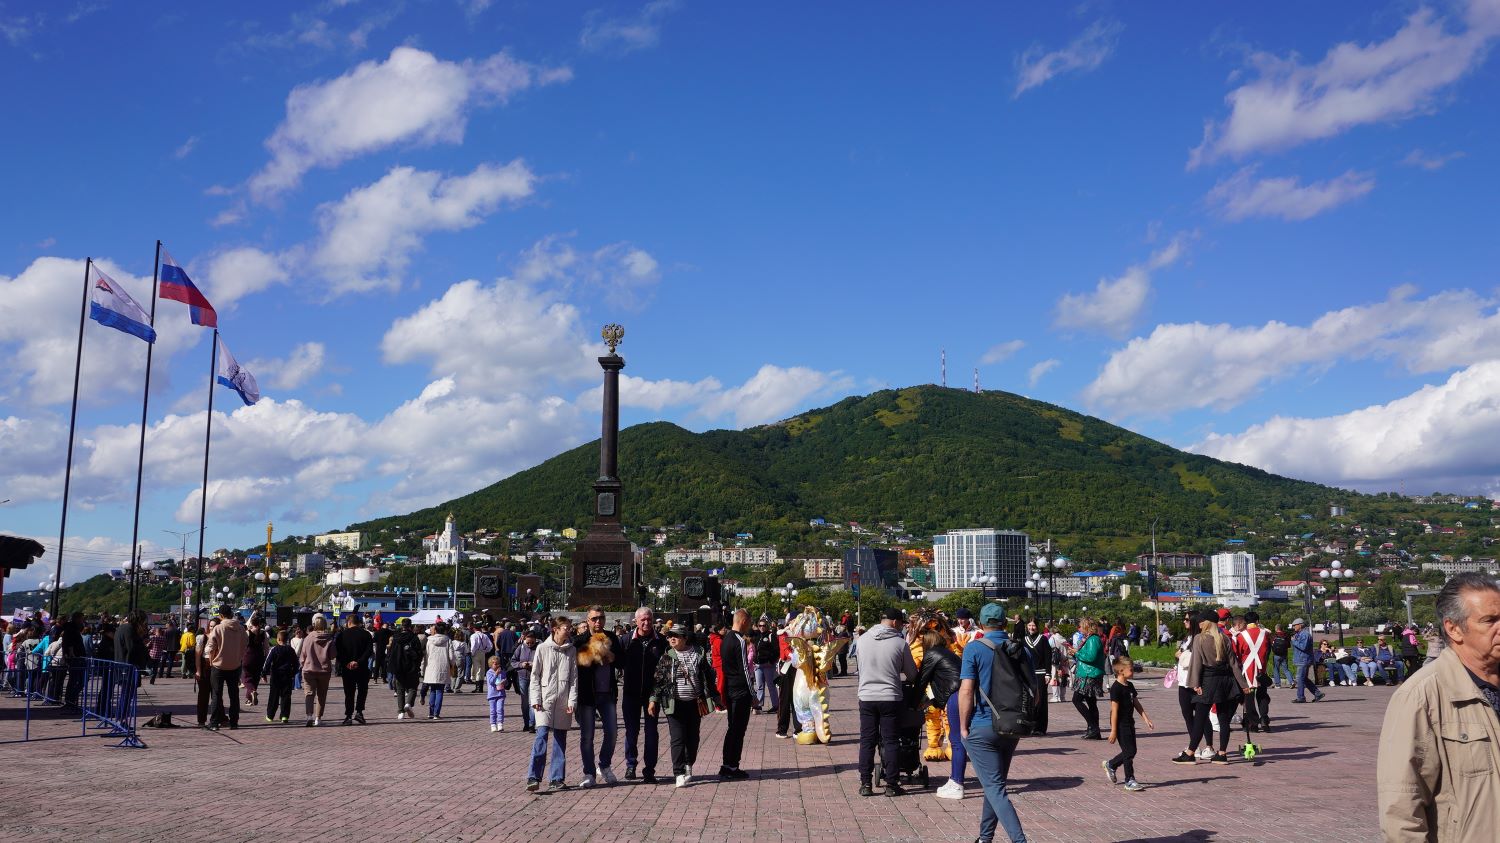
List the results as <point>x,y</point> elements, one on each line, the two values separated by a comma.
<point>1438,774</point>
<point>225,653</point>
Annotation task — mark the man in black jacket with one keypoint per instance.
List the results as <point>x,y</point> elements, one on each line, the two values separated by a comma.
<point>739,693</point>
<point>353,648</point>
<point>596,698</point>
<point>643,648</point>
<point>382,638</point>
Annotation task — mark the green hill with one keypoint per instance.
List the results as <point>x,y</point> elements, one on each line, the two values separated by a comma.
<point>931,457</point>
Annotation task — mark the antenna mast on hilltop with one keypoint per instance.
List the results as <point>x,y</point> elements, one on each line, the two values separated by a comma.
<point>943,358</point>
<point>976,380</point>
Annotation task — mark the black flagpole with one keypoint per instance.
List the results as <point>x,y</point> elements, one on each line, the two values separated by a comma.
<point>140,464</point>
<point>208,435</point>
<point>62,533</point>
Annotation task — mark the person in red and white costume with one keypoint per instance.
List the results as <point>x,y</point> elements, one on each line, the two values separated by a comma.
<point>1253,646</point>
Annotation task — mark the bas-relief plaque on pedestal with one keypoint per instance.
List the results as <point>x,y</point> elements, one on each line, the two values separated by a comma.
<point>607,503</point>
<point>603,576</point>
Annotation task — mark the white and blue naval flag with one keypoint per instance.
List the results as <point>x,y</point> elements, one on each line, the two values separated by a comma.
<point>237,379</point>
<point>114,307</point>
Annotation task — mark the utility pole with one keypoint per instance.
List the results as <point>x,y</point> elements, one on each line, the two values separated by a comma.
<point>1151,578</point>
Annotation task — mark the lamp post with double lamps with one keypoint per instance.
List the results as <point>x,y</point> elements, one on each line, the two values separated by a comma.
<point>1337,573</point>
<point>983,582</point>
<point>1051,567</point>
<point>55,588</point>
<point>1034,583</point>
<point>788,596</point>
<point>135,568</point>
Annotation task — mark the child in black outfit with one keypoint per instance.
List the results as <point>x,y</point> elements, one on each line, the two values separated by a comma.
<point>281,669</point>
<point>1123,703</point>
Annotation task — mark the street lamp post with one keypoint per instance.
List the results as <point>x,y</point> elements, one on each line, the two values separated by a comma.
<point>983,582</point>
<point>1338,572</point>
<point>1051,566</point>
<point>1035,585</point>
<point>135,568</point>
<point>55,587</point>
<point>788,596</point>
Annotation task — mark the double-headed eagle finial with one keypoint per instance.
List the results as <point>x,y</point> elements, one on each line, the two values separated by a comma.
<point>612,335</point>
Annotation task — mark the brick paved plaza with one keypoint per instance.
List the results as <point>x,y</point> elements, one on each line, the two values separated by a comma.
<point>454,781</point>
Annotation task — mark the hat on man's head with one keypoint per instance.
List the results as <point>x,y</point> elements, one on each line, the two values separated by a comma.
<point>677,632</point>
<point>991,613</point>
<point>1299,622</point>
<point>963,613</point>
<point>1223,614</point>
<point>894,613</point>
<point>319,616</point>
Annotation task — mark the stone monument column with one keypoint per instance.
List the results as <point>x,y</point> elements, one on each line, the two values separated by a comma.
<point>604,568</point>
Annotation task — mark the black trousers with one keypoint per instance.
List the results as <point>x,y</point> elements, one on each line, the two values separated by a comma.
<point>738,709</point>
<point>784,698</point>
<point>281,698</point>
<point>1224,691</point>
<point>1125,739</point>
<point>879,720</point>
<point>1258,703</point>
<point>220,678</point>
<point>356,688</point>
<point>1041,711</point>
<point>1185,702</point>
<point>1089,708</point>
<point>683,725</point>
<point>842,660</point>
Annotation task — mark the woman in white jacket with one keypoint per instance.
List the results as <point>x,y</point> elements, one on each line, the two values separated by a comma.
<point>552,697</point>
<point>437,669</point>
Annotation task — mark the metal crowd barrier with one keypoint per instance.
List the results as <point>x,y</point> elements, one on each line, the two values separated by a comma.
<point>108,700</point>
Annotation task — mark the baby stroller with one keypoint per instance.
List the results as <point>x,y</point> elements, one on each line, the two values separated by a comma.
<point>909,741</point>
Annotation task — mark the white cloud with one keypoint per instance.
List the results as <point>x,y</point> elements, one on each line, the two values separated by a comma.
<point>305,361</point>
<point>186,149</point>
<point>232,274</point>
<point>1242,195</point>
<point>494,340</point>
<point>623,273</point>
<point>1430,162</point>
<point>1037,65</point>
<point>1001,352</point>
<point>1115,303</point>
<point>626,34</point>
<point>1195,365</point>
<point>773,393</point>
<point>368,236</point>
<point>1288,103</point>
<point>1440,437</point>
<point>412,97</point>
<point>1040,370</point>
<point>655,395</point>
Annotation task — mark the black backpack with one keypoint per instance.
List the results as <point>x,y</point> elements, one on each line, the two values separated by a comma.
<point>1278,645</point>
<point>1012,695</point>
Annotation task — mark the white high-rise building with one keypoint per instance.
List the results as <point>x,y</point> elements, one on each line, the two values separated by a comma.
<point>1234,573</point>
<point>449,549</point>
<point>959,555</point>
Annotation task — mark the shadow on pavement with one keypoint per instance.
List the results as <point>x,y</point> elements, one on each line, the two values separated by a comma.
<point>1197,835</point>
<point>1048,783</point>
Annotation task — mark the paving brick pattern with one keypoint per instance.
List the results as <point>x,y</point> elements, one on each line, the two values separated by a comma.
<point>453,780</point>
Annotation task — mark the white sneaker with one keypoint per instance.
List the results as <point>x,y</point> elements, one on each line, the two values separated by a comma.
<point>401,715</point>
<point>951,790</point>
<point>682,781</point>
<point>317,721</point>
<point>1205,753</point>
<point>492,728</point>
<point>500,727</point>
<point>588,781</point>
<point>608,775</point>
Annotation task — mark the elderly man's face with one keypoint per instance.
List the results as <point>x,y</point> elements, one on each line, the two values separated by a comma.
<point>1479,637</point>
<point>643,623</point>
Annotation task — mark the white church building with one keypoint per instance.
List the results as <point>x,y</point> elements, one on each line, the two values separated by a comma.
<point>449,548</point>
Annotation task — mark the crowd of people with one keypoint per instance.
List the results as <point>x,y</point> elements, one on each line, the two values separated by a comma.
<point>583,676</point>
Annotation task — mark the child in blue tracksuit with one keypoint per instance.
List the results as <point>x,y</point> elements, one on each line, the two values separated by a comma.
<point>495,683</point>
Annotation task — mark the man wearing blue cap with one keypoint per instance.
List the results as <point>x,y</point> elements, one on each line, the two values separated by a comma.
<point>988,752</point>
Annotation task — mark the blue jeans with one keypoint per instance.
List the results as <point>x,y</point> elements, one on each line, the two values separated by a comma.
<point>523,687</point>
<point>539,754</point>
<point>607,716</point>
<point>1304,680</point>
<point>765,686</point>
<point>297,681</point>
<point>991,756</point>
<point>956,742</point>
<point>634,710</point>
<point>1279,665</point>
<point>435,698</point>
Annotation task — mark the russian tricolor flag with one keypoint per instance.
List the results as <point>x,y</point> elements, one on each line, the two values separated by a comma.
<point>177,286</point>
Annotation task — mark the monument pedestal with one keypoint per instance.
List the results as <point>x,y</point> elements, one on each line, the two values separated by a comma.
<point>606,570</point>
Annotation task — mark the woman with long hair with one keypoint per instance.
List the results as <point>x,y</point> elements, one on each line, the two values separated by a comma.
<point>1089,669</point>
<point>1039,647</point>
<point>255,657</point>
<point>1214,676</point>
<point>937,682</point>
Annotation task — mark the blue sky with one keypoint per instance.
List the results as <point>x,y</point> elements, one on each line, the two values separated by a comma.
<point>1267,235</point>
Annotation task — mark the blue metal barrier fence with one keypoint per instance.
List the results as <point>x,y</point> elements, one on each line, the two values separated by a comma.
<point>108,700</point>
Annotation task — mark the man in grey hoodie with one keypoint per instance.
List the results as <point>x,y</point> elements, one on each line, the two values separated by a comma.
<point>884,663</point>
